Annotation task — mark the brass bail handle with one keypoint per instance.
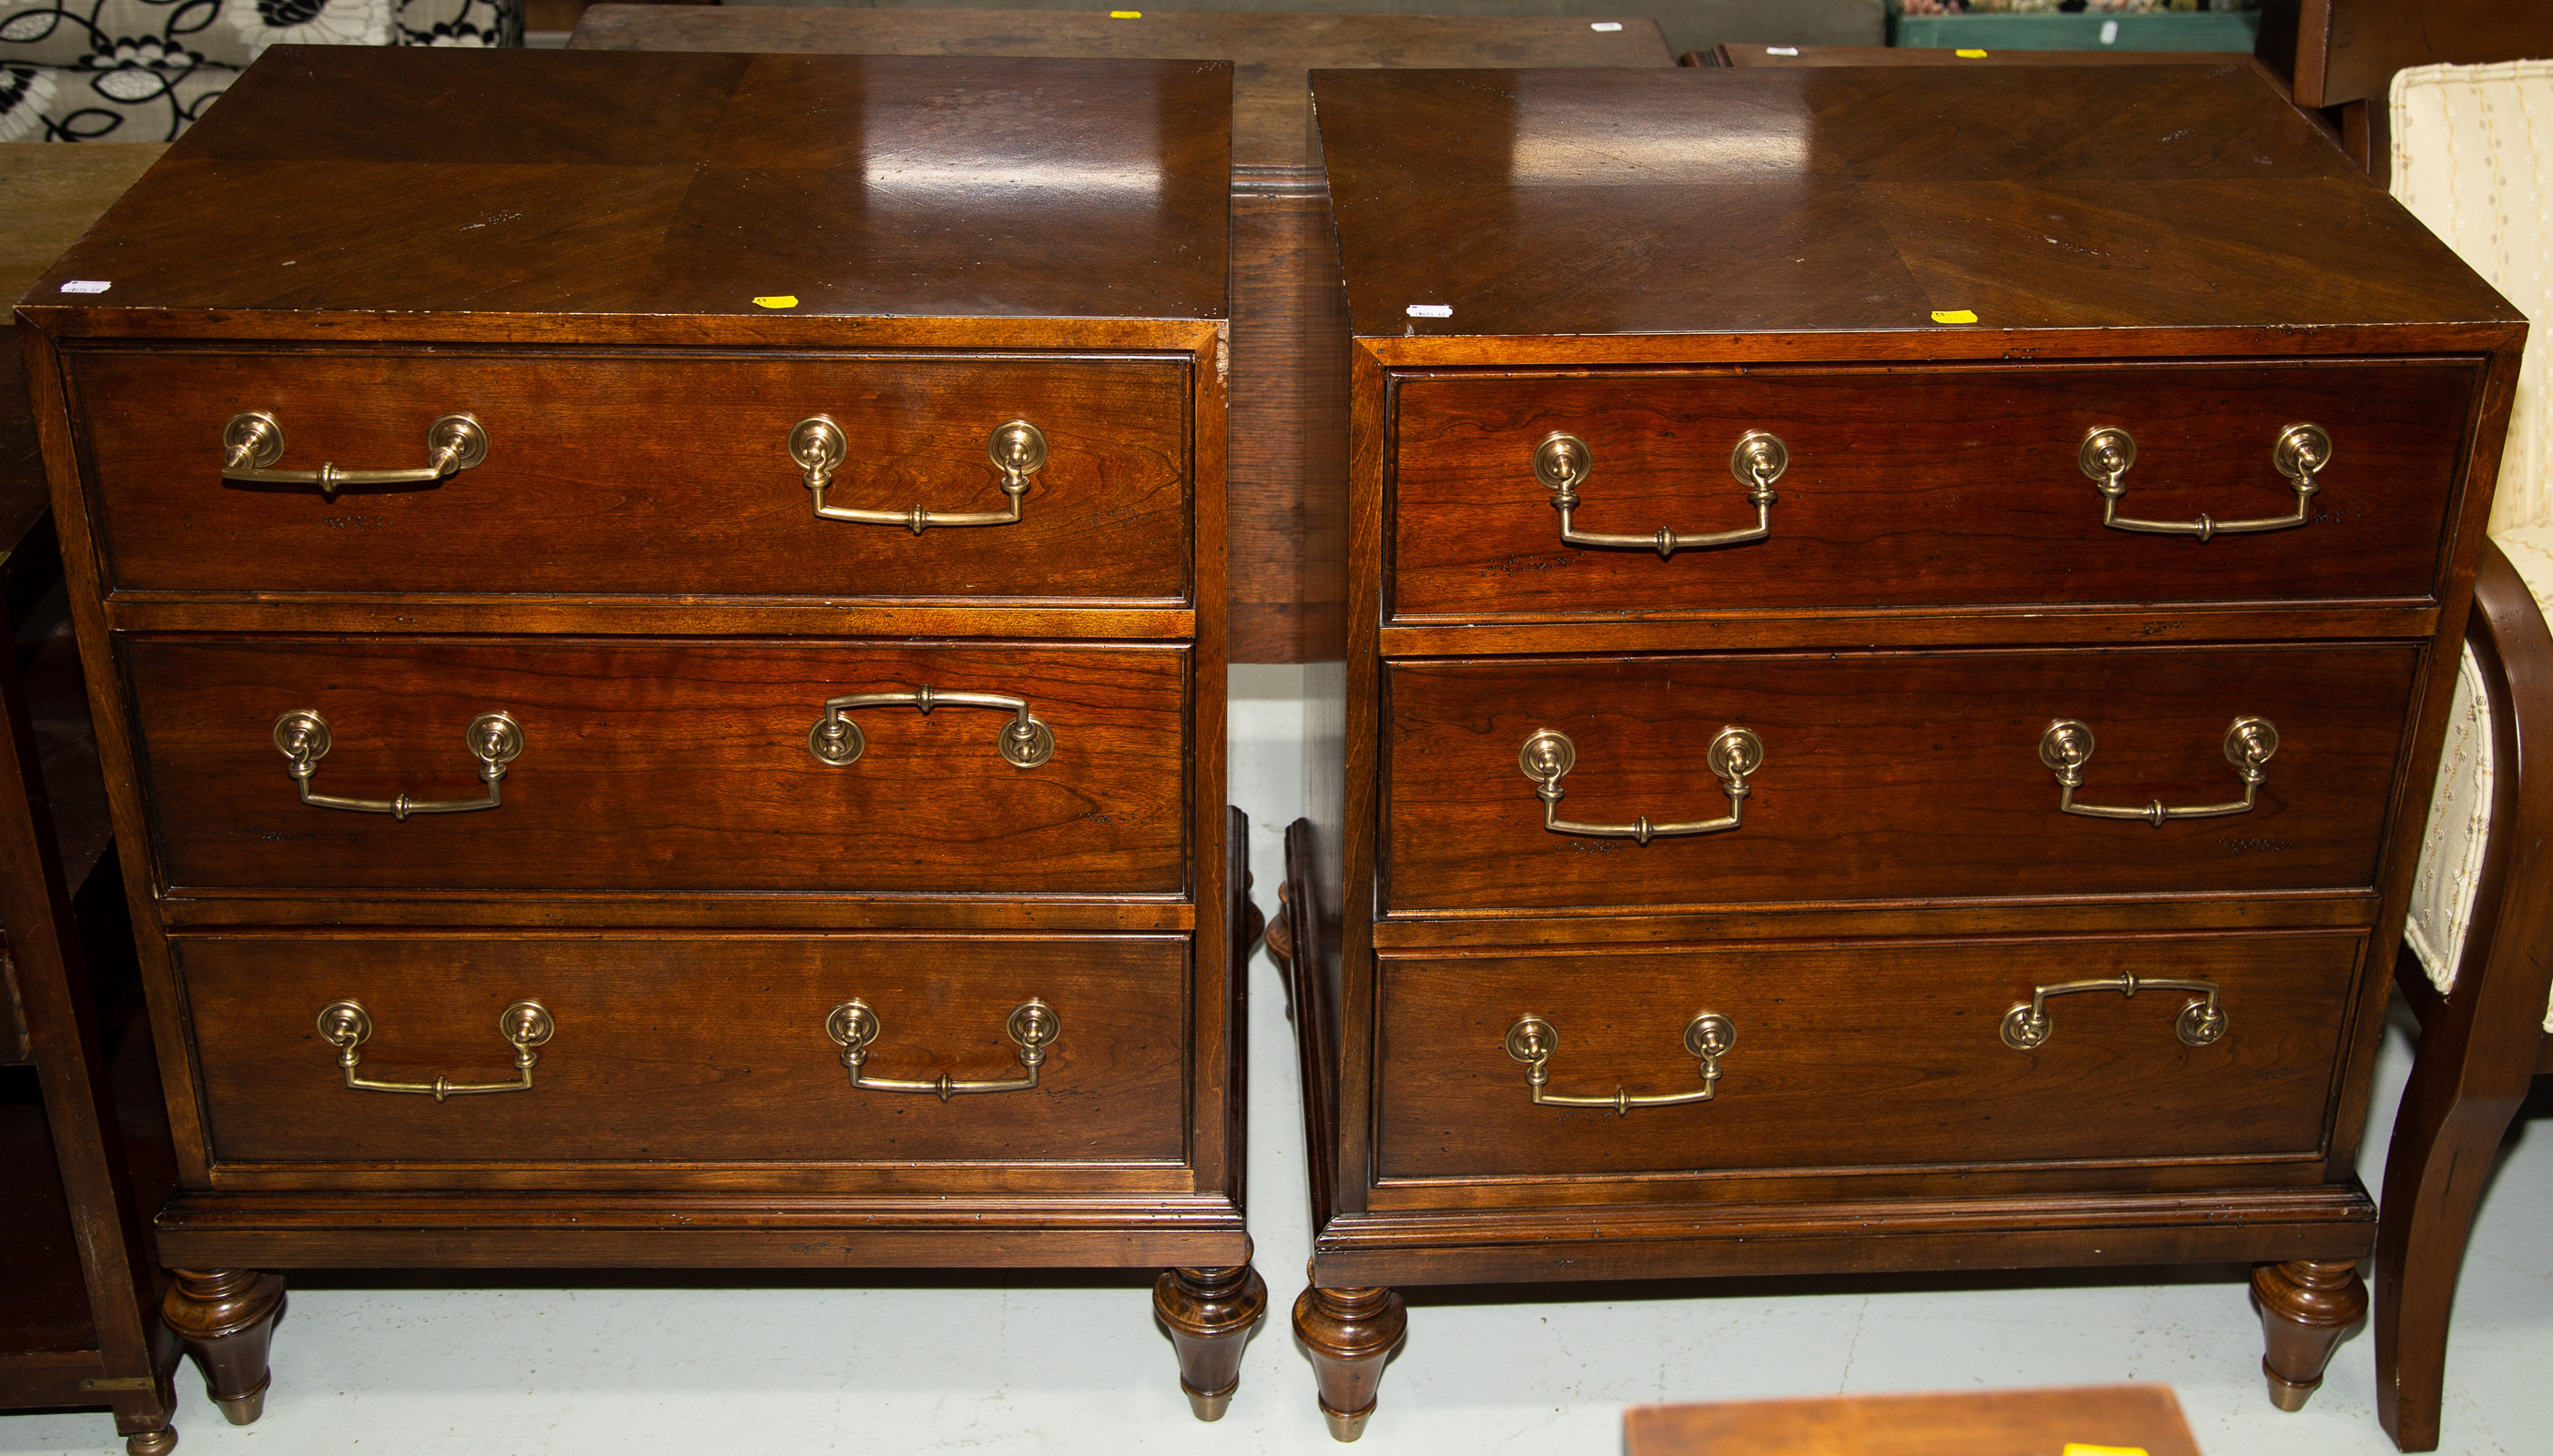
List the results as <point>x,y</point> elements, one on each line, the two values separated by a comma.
<point>493,738</point>
<point>253,441</point>
<point>525,1025</point>
<point>2201,1023</point>
<point>1032,1026</point>
<point>2299,453</point>
<point>1707,1037</point>
<point>2067,746</point>
<point>1017,449</point>
<point>1562,463</point>
<point>1023,743</point>
<point>1733,756</point>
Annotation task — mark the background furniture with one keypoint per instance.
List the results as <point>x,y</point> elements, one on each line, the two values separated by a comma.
<point>800,784</point>
<point>2470,160</point>
<point>1288,331</point>
<point>1967,1424</point>
<point>142,70</point>
<point>1813,745</point>
<point>2343,54</point>
<point>83,1148</point>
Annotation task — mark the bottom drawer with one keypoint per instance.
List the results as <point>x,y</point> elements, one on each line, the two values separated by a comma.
<point>1862,1055</point>
<point>689,1048</point>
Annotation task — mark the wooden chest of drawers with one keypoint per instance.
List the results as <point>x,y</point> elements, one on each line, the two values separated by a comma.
<point>1899,622</point>
<point>1289,387</point>
<point>671,605</point>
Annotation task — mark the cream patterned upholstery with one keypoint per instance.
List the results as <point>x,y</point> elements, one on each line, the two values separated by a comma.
<point>2473,158</point>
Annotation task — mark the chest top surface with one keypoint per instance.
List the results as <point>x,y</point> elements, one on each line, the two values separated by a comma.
<point>574,182</point>
<point>1720,201</point>
<point>1270,52</point>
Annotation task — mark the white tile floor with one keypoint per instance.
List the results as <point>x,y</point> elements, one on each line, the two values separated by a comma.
<point>1075,1364</point>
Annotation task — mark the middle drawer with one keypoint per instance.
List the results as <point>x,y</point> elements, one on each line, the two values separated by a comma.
<point>664,765</point>
<point>1888,776</point>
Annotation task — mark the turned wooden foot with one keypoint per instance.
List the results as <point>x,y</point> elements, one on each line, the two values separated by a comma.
<point>1211,1313</point>
<point>225,1317</point>
<point>1350,1333</point>
<point>152,1442</point>
<point>2306,1306</point>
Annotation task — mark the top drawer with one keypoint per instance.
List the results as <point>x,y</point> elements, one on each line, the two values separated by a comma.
<point>643,474</point>
<point>1919,488</point>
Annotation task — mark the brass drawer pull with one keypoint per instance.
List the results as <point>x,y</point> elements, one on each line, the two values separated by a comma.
<point>493,738</point>
<point>1561,463</point>
<point>2199,1023</point>
<point>2067,745</point>
<point>1025,744</point>
<point>1734,754</point>
<point>2299,453</point>
<point>1017,450</point>
<point>1032,1026</point>
<point>254,440</point>
<point>346,1026</point>
<point>1707,1037</point>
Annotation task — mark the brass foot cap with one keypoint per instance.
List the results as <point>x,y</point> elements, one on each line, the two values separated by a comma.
<point>243,1409</point>
<point>2286,1394</point>
<point>1345,1427</point>
<point>1209,1407</point>
<point>152,1442</point>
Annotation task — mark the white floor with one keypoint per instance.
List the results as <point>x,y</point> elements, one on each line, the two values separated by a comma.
<point>1075,1364</point>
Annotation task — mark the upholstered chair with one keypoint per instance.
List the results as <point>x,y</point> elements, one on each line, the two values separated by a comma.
<point>2473,158</point>
<point>143,71</point>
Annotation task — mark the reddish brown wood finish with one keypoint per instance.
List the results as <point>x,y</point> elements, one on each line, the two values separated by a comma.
<point>1210,1314</point>
<point>1859,1055</point>
<point>2483,1043</point>
<point>1290,329</point>
<point>601,243</point>
<point>687,762</point>
<point>1630,258</point>
<point>676,1050</point>
<point>1886,776</point>
<point>1945,488</point>
<point>645,473</point>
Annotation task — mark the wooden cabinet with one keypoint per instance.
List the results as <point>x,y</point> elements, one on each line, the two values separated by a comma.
<point>1899,631</point>
<point>666,714</point>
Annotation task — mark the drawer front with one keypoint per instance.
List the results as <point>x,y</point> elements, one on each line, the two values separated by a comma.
<point>1860,1055</point>
<point>1919,488</point>
<point>655,765</point>
<point>1888,776</point>
<point>643,474</point>
<point>676,1049</point>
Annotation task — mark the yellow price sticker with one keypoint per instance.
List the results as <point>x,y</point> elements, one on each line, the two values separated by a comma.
<point>778,300</point>
<point>2078,1448</point>
<point>1965,316</point>
<point>1980,56</point>
<point>1125,15</point>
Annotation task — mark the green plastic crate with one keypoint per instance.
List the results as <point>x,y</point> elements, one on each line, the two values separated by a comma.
<point>2160,30</point>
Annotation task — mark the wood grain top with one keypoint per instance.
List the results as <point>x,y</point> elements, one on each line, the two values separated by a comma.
<point>1805,200</point>
<point>1270,52</point>
<point>581,182</point>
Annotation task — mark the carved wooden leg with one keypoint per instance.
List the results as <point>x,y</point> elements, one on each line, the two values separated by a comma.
<point>2307,1305</point>
<point>226,1316</point>
<point>1350,1334</point>
<point>1211,1313</point>
<point>1280,940</point>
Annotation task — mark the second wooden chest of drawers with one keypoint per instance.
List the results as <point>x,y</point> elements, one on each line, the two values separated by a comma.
<point>1899,625</point>
<point>657,622</point>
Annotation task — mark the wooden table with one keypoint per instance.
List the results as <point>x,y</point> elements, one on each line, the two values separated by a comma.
<point>1289,341</point>
<point>2142,1419</point>
<point>76,1179</point>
